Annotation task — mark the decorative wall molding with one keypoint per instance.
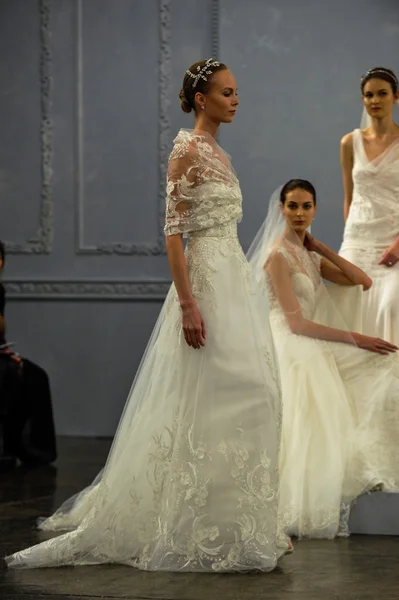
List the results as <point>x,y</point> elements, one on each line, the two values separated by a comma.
<point>42,242</point>
<point>215,22</point>
<point>87,290</point>
<point>164,134</point>
<point>83,290</point>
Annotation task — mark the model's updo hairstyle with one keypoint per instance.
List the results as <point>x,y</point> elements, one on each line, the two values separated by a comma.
<point>295,184</point>
<point>193,84</point>
<point>380,73</point>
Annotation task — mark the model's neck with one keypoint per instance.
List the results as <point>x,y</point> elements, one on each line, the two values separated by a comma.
<point>203,124</point>
<point>294,236</point>
<point>383,127</point>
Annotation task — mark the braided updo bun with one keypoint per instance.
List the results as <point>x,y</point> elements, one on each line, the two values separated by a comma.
<point>202,85</point>
<point>184,103</point>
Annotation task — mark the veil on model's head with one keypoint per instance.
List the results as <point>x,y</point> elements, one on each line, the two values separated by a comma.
<point>271,229</point>
<point>385,74</point>
<point>336,306</point>
<point>365,121</point>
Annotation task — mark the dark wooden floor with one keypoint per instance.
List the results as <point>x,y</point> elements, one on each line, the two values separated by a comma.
<point>359,568</point>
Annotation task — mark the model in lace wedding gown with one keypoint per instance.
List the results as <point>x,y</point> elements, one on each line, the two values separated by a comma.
<point>372,225</point>
<point>340,402</point>
<point>191,482</point>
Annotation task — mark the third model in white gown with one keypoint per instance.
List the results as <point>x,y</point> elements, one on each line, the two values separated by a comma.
<point>372,226</point>
<point>191,482</point>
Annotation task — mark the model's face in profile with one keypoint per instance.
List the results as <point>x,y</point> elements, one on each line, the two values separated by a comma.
<point>299,209</point>
<point>378,98</point>
<point>220,103</point>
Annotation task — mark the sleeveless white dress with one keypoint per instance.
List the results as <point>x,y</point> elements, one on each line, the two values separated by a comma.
<point>191,482</point>
<point>340,411</point>
<point>372,226</point>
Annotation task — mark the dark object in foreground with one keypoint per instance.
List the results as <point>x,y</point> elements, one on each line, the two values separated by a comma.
<point>26,417</point>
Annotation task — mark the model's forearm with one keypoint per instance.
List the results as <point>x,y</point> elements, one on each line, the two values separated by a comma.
<point>178,268</point>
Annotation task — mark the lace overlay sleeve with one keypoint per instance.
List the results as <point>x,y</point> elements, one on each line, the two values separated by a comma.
<point>284,252</point>
<point>182,201</point>
<point>316,260</point>
<point>202,188</point>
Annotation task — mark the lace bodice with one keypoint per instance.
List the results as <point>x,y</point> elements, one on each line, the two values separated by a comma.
<point>304,269</point>
<point>203,191</point>
<point>374,211</point>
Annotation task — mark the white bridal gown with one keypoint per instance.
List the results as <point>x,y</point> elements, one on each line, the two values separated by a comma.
<point>191,482</point>
<point>372,226</point>
<point>340,410</point>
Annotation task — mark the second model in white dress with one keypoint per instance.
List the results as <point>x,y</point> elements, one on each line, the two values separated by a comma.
<point>340,411</point>
<point>372,227</point>
<point>340,402</point>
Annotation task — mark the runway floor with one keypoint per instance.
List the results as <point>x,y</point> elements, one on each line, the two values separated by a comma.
<point>358,568</point>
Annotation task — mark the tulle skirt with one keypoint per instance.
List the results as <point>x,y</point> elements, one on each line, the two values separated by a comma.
<point>191,482</point>
<point>340,429</point>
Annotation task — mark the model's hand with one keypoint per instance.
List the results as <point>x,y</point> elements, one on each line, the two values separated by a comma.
<point>193,325</point>
<point>311,243</point>
<point>391,255</point>
<point>374,344</point>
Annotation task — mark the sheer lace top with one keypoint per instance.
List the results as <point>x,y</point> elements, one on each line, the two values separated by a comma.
<point>203,191</point>
<point>374,212</point>
<point>304,270</point>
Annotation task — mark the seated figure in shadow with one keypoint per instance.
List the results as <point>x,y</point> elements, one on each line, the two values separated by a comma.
<point>27,430</point>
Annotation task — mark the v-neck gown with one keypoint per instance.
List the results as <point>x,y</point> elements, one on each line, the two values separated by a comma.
<point>372,226</point>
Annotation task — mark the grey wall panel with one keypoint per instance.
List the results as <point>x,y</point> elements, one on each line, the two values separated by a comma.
<point>89,108</point>
<point>298,67</point>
